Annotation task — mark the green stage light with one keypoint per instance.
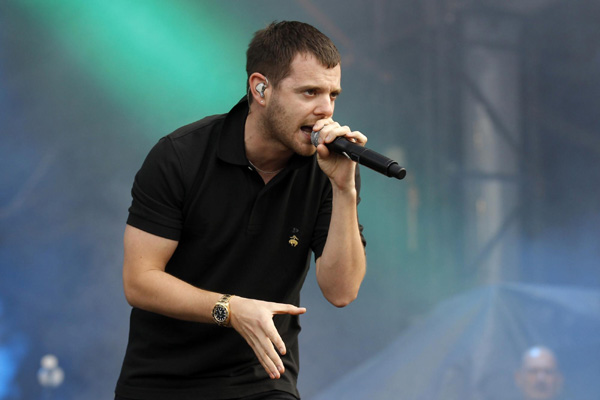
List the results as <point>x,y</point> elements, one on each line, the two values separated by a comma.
<point>173,60</point>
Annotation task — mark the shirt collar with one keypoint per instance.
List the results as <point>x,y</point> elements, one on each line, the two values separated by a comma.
<point>231,147</point>
<point>231,142</point>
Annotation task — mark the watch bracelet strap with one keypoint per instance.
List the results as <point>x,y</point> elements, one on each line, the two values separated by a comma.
<point>225,298</point>
<point>225,301</point>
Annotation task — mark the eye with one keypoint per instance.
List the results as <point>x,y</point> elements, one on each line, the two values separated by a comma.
<point>310,92</point>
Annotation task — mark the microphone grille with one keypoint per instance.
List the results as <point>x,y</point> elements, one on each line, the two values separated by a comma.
<point>314,138</point>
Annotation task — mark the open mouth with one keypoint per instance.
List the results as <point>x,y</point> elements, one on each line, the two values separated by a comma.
<point>308,132</point>
<point>306,128</point>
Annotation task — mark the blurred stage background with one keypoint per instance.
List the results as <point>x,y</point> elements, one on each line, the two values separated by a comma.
<point>490,245</point>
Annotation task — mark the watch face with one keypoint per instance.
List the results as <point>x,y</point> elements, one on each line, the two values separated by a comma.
<point>220,313</point>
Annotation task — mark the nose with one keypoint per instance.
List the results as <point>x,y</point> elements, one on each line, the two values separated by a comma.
<point>325,106</point>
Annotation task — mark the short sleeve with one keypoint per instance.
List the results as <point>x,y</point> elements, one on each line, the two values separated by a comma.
<point>158,193</point>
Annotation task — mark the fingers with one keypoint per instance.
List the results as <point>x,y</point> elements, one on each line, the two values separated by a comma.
<point>318,126</point>
<point>340,169</point>
<point>253,319</point>
<point>329,130</point>
<point>288,309</point>
<point>357,137</point>
<point>265,352</point>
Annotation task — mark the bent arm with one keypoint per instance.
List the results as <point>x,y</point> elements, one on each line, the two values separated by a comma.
<point>147,286</point>
<point>342,266</point>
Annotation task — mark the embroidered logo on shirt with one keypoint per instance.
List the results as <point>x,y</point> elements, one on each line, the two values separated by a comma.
<point>294,240</point>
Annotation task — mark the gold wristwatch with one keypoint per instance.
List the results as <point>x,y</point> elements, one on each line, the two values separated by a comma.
<point>220,312</point>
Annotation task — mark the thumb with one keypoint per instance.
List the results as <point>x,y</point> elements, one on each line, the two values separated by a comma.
<point>323,151</point>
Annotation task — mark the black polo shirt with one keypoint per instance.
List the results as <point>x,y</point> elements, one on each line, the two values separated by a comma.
<point>236,235</point>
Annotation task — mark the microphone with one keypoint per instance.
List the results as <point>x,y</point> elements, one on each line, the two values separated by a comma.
<point>363,156</point>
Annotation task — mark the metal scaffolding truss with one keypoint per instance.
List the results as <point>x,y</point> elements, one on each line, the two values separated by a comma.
<point>462,63</point>
<point>474,127</point>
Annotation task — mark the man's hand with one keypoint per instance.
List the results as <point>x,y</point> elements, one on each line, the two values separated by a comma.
<point>253,319</point>
<point>337,167</point>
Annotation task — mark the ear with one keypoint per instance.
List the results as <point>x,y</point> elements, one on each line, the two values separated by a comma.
<point>254,80</point>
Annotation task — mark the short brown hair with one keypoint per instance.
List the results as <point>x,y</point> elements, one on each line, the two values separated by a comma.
<point>273,48</point>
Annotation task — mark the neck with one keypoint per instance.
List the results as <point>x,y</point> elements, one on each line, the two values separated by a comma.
<point>264,153</point>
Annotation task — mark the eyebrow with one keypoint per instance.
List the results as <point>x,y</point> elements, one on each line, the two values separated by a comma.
<point>318,88</point>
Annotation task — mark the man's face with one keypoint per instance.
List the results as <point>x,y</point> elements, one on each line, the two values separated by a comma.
<point>539,377</point>
<point>302,98</point>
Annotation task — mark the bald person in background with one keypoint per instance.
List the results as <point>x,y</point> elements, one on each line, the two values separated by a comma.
<point>539,377</point>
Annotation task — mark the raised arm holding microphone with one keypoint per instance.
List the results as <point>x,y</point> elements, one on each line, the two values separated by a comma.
<point>225,214</point>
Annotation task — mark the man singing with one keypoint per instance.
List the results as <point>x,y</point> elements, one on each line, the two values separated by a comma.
<point>225,214</point>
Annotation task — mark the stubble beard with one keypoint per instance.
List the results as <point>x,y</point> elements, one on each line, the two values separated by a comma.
<point>277,126</point>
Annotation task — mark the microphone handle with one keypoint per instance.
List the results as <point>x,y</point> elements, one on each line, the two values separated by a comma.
<point>367,157</point>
